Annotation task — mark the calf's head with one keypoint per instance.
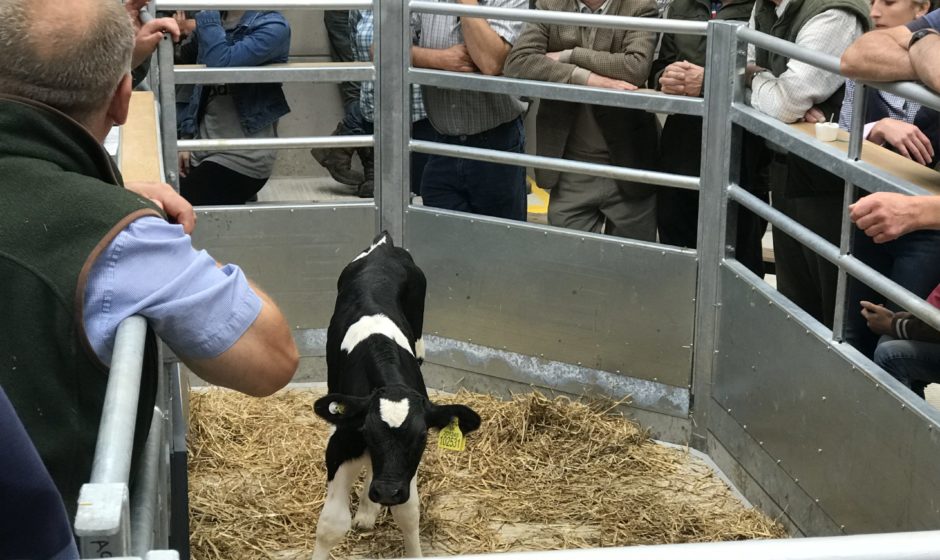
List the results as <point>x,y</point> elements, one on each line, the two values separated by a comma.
<point>394,422</point>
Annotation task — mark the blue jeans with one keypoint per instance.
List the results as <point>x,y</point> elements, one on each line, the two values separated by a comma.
<point>912,362</point>
<point>479,187</point>
<point>912,261</point>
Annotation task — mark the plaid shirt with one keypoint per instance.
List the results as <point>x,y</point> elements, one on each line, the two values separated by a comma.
<point>454,112</point>
<point>898,108</point>
<point>361,23</point>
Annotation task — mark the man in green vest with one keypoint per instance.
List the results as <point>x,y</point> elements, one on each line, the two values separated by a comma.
<point>790,90</point>
<point>79,253</point>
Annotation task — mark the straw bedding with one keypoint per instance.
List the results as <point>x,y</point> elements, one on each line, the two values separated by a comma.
<point>540,474</point>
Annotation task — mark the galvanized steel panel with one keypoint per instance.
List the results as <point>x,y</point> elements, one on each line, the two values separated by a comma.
<point>603,303</point>
<point>854,440</point>
<point>295,253</point>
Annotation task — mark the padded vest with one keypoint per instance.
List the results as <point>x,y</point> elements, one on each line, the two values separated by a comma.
<point>61,202</point>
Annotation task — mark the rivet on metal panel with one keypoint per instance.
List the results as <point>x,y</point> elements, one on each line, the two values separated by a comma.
<point>618,371</point>
<point>903,406</point>
<point>744,426</point>
<point>778,461</point>
<point>753,289</point>
<point>877,386</point>
<point>760,443</point>
<point>297,327</point>
<point>824,398</point>
<point>545,233</point>
<point>788,317</point>
<point>251,211</point>
<point>579,363</point>
<point>842,527</point>
<point>541,355</point>
<point>205,213</point>
<point>291,210</point>
<point>729,411</point>
<point>663,253</point>
<point>819,450</point>
<point>796,480</point>
<point>469,340</point>
<point>753,368</point>
<point>656,379</point>
<point>816,500</point>
<point>807,331</point>
<point>770,302</point>
<point>582,240</point>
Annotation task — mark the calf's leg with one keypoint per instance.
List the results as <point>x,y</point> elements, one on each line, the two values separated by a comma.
<point>335,519</point>
<point>407,515</point>
<point>368,510</point>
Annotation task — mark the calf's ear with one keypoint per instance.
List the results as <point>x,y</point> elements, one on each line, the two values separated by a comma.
<point>439,416</point>
<point>341,410</point>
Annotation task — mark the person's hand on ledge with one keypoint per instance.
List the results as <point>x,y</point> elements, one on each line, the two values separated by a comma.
<point>906,138</point>
<point>177,208</point>
<point>596,80</point>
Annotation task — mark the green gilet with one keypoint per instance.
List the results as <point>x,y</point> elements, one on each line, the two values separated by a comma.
<point>797,13</point>
<point>61,202</point>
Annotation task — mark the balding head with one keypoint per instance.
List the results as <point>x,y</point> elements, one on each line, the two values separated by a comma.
<point>70,55</point>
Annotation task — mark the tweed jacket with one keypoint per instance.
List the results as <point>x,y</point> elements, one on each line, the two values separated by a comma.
<point>619,54</point>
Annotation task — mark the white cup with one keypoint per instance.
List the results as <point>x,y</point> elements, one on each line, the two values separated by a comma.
<point>827,131</point>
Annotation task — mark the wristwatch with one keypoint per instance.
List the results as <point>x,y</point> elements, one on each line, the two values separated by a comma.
<point>920,34</point>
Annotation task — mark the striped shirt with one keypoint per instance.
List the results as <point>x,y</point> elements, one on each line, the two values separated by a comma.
<point>362,24</point>
<point>454,112</point>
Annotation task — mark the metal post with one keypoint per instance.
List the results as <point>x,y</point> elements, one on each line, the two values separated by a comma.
<point>846,246</point>
<point>167,96</point>
<point>721,148</point>
<point>393,115</point>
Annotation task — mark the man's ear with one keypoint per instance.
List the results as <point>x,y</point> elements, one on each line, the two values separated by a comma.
<point>121,101</point>
<point>439,416</point>
<point>341,410</point>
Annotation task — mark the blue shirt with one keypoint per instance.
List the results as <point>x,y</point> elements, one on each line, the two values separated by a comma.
<point>931,20</point>
<point>151,269</point>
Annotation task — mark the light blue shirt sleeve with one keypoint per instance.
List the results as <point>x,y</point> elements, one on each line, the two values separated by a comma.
<point>151,269</point>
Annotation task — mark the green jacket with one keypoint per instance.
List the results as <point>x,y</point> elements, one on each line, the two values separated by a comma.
<point>797,13</point>
<point>677,47</point>
<point>61,202</point>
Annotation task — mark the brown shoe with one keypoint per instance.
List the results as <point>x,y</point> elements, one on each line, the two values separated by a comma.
<point>338,161</point>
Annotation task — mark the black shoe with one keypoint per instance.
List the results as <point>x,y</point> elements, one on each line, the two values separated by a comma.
<point>367,187</point>
<point>338,161</point>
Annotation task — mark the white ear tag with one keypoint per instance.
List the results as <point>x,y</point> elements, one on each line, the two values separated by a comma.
<point>337,408</point>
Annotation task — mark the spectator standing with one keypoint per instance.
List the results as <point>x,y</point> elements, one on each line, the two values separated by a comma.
<point>599,57</point>
<point>79,253</point>
<point>913,261</point>
<point>790,90</point>
<point>680,70</point>
<point>239,38</point>
<point>469,118</point>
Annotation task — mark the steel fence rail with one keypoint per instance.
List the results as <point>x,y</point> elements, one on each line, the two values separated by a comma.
<point>647,100</point>
<point>853,266</point>
<point>921,545</point>
<point>112,462</point>
<point>145,500</point>
<point>556,164</point>
<point>564,18</point>
<point>241,144</point>
<point>172,5</point>
<point>276,73</point>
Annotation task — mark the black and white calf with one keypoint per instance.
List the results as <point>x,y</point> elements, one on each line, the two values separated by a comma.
<point>377,400</point>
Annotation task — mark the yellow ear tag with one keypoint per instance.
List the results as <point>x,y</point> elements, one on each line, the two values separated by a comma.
<point>451,438</point>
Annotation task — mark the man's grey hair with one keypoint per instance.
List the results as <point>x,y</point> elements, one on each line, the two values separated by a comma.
<point>72,62</point>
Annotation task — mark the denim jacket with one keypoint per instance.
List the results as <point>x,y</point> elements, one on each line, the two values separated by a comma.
<point>259,38</point>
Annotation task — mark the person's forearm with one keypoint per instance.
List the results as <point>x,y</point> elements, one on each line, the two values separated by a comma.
<point>923,57</point>
<point>486,47</point>
<point>422,57</point>
<point>879,56</point>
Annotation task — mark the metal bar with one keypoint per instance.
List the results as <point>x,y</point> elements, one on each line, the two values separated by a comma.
<point>720,144</point>
<point>887,546</point>
<point>393,116</point>
<point>171,5</point>
<point>307,72</point>
<point>563,18</point>
<point>860,173</point>
<point>166,92</point>
<point>102,523</point>
<point>237,144</point>
<point>112,461</point>
<point>556,164</point>
<point>145,499</point>
<point>857,126</point>
<point>645,100</point>
<point>920,308</point>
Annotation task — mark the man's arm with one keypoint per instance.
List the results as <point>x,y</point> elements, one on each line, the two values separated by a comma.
<point>632,63</point>
<point>880,55</point>
<point>788,96</point>
<point>487,49</point>
<point>886,216</point>
<point>924,57</point>
<point>261,362</point>
<point>452,59</point>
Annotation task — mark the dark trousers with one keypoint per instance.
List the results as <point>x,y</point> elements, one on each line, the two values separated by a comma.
<point>814,198</point>
<point>212,184</point>
<point>677,209</point>
<point>912,261</point>
<point>354,123</point>
<point>479,187</point>
<point>340,36</point>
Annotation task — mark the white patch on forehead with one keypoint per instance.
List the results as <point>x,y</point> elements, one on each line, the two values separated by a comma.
<point>393,413</point>
<point>370,249</point>
<point>369,325</point>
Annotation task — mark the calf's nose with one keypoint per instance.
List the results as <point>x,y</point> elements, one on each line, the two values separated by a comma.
<point>388,493</point>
